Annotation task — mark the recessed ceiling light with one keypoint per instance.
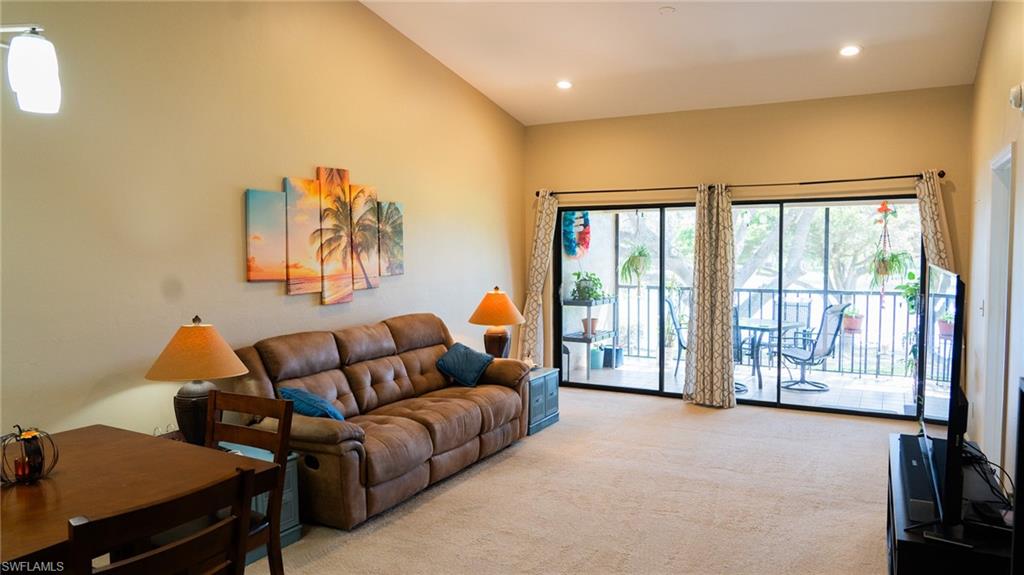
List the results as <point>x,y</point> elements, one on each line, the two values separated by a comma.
<point>850,50</point>
<point>666,10</point>
<point>564,84</point>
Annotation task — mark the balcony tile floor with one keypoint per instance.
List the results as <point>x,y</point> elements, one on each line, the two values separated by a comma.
<point>890,395</point>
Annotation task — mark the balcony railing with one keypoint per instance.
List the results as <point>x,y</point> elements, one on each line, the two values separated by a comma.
<point>885,345</point>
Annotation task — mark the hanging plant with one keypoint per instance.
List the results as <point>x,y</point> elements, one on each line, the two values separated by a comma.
<point>885,263</point>
<point>636,266</point>
<point>576,234</point>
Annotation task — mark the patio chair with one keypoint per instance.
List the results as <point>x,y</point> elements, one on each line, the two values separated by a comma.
<point>814,351</point>
<point>741,347</point>
<point>680,335</point>
<point>798,311</point>
<point>681,340</point>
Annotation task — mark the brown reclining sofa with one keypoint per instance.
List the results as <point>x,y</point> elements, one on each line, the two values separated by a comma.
<point>406,424</point>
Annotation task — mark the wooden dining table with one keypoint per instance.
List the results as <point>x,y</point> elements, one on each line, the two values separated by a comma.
<point>103,471</point>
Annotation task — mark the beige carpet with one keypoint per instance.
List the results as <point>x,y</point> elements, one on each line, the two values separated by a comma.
<point>636,484</point>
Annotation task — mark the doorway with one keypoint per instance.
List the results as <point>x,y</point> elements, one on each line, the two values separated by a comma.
<point>996,308</point>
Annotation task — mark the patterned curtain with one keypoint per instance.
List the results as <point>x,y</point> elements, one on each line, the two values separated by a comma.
<point>709,359</point>
<point>934,230</point>
<point>530,336</point>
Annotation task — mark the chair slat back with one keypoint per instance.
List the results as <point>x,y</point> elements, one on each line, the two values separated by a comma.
<point>831,322</point>
<point>680,334</point>
<point>221,545</point>
<point>274,442</point>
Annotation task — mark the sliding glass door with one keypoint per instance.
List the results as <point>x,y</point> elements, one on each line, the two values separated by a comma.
<point>825,302</point>
<point>827,305</point>
<point>609,286</point>
<point>678,250</point>
<point>755,299</point>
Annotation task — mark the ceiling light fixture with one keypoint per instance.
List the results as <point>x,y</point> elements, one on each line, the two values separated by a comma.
<point>666,10</point>
<point>32,69</point>
<point>849,50</point>
<point>564,84</point>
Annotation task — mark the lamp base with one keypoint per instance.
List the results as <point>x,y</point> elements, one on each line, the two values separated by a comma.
<point>190,410</point>
<point>496,341</point>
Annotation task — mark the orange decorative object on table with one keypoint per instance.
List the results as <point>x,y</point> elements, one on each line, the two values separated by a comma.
<point>27,456</point>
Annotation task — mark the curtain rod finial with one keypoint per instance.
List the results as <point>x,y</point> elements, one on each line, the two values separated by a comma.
<point>942,173</point>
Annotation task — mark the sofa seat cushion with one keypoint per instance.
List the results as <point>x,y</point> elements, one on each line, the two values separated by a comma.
<point>393,445</point>
<point>498,404</point>
<point>450,421</point>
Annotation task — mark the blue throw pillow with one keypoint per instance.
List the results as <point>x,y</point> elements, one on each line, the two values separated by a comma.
<point>463,364</point>
<point>310,404</point>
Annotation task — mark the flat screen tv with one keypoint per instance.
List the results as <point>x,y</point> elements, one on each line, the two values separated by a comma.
<point>941,351</point>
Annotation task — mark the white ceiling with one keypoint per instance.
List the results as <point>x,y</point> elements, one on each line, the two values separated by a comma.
<point>626,58</point>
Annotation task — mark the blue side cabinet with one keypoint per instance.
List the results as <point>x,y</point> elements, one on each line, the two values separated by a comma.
<point>543,398</point>
<point>291,529</point>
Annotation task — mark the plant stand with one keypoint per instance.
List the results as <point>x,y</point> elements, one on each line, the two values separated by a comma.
<point>599,336</point>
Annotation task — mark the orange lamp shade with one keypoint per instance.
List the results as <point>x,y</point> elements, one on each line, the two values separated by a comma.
<point>196,352</point>
<point>496,309</point>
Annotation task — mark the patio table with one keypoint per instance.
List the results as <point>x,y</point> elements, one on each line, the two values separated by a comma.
<point>760,327</point>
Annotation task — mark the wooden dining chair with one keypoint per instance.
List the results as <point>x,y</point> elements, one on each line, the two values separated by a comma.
<point>265,529</point>
<point>218,548</point>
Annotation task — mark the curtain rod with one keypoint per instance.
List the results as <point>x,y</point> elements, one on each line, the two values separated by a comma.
<point>942,174</point>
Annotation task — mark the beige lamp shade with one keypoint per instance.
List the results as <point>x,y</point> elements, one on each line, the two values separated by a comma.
<point>496,309</point>
<point>196,352</point>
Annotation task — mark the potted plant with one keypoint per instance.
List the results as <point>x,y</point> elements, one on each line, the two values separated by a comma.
<point>946,324</point>
<point>634,268</point>
<point>911,291</point>
<point>852,320</point>
<point>886,263</point>
<point>587,287</point>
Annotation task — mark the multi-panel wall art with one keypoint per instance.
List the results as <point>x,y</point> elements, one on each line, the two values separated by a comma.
<point>265,251</point>
<point>365,240</point>
<point>392,241</point>
<point>334,240</point>
<point>324,236</point>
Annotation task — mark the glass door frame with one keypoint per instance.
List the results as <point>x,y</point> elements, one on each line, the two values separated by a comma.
<point>556,315</point>
<point>661,207</point>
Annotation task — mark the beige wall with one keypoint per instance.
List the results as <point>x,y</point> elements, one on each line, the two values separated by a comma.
<point>996,126</point>
<point>123,216</point>
<point>859,136</point>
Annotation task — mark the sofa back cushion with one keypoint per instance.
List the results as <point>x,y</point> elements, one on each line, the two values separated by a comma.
<point>364,342</point>
<point>378,382</point>
<point>371,365</point>
<point>420,339</point>
<point>421,365</point>
<point>418,330</point>
<point>309,361</point>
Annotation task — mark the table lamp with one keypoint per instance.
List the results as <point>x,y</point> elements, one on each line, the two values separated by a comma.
<point>196,354</point>
<point>496,310</point>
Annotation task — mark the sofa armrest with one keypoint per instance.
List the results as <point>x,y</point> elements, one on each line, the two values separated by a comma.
<point>507,372</point>
<point>513,374</point>
<point>313,431</point>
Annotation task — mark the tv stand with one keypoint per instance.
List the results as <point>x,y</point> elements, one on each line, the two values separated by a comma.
<point>968,548</point>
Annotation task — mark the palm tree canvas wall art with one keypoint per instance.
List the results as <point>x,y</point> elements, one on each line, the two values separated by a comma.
<point>392,238</point>
<point>334,237</point>
<point>365,239</point>
<point>265,251</point>
<point>302,208</point>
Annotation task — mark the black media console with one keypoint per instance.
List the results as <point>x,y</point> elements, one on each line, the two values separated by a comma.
<point>913,548</point>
